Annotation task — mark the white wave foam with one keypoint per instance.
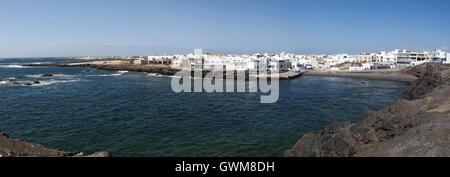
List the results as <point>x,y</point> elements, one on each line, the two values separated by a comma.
<point>122,71</point>
<point>104,75</point>
<point>154,74</point>
<point>38,63</point>
<point>41,82</point>
<point>51,82</point>
<point>53,75</point>
<point>12,66</point>
<point>107,75</point>
<point>34,75</point>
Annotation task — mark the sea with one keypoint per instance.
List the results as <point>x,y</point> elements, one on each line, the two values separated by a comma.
<point>129,114</point>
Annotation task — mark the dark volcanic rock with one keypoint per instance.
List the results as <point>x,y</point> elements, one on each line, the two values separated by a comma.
<point>47,75</point>
<point>18,148</point>
<point>136,68</point>
<point>36,82</point>
<point>432,77</point>
<point>417,127</point>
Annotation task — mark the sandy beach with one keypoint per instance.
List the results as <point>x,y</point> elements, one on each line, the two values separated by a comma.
<point>372,75</point>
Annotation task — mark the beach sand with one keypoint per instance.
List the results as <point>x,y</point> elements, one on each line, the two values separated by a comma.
<point>372,75</point>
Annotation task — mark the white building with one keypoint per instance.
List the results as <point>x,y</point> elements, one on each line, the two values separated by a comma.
<point>447,59</point>
<point>314,64</point>
<point>217,62</point>
<point>333,60</point>
<point>390,58</point>
<point>253,64</point>
<point>280,65</point>
<point>212,62</point>
<point>384,57</point>
<point>299,62</point>
<point>406,57</point>
<point>438,55</point>
<point>179,62</point>
<point>365,66</point>
<point>167,59</point>
<point>363,58</point>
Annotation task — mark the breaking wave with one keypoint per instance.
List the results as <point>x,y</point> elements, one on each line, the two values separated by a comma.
<point>51,82</point>
<point>53,76</point>
<point>13,66</point>
<point>155,74</point>
<point>106,75</point>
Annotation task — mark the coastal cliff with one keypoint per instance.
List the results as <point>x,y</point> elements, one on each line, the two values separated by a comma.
<point>18,148</point>
<point>415,127</point>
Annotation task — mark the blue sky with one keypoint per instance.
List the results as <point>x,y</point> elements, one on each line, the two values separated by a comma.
<point>36,28</point>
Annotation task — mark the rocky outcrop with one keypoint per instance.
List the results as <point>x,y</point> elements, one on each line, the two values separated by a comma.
<point>36,82</point>
<point>430,77</point>
<point>47,75</point>
<point>416,127</point>
<point>18,148</point>
<point>163,70</point>
<point>157,69</point>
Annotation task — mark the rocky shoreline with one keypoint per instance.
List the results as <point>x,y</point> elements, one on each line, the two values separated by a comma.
<point>115,66</point>
<point>121,65</point>
<point>160,69</point>
<point>18,148</point>
<point>415,127</point>
<point>418,127</point>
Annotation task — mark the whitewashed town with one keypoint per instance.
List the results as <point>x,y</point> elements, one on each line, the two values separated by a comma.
<point>283,62</point>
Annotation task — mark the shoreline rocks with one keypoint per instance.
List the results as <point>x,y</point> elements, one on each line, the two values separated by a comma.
<point>413,128</point>
<point>113,66</point>
<point>46,75</point>
<point>18,148</point>
<point>150,68</point>
<point>36,82</point>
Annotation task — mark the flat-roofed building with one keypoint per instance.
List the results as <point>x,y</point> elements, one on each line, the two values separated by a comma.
<point>447,59</point>
<point>438,55</point>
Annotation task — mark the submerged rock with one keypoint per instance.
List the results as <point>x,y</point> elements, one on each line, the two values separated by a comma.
<point>36,82</point>
<point>416,127</point>
<point>47,75</point>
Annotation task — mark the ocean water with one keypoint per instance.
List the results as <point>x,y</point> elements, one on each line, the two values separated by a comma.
<point>133,114</point>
